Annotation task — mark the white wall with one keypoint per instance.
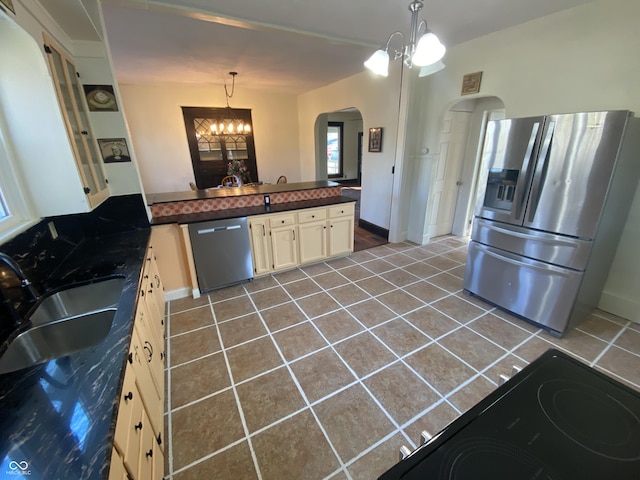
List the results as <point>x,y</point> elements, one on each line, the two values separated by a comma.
<point>95,69</point>
<point>154,116</point>
<point>582,59</point>
<point>377,100</point>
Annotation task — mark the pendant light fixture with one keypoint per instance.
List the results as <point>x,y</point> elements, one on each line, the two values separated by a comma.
<point>228,123</point>
<point>421,52</point>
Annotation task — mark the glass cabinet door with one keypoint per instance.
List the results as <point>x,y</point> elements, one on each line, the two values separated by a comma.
<point>83,144</point>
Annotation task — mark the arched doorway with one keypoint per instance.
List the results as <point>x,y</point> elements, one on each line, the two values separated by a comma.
<point>338,146</point>
<point>455,172</point>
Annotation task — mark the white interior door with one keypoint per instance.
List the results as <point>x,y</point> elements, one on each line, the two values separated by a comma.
<point>446,171</point>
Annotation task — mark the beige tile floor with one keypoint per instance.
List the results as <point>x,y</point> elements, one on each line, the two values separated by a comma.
<point>326,370</point>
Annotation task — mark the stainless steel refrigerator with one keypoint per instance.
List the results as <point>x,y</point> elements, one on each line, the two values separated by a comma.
<point>555,195</point>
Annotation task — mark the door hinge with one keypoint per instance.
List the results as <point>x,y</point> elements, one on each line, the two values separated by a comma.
<point>47,49</point>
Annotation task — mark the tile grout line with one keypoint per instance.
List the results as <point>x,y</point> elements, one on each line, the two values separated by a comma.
<point>358,378</point>
<point>297,383</point>
<point>609,345</point>
<point>235,394</point>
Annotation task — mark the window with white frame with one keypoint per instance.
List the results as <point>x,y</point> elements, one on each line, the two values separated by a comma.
<point>14,209</point>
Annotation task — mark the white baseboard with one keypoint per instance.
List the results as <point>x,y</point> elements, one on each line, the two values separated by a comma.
<point>620,306</point>
<point>179,293</point>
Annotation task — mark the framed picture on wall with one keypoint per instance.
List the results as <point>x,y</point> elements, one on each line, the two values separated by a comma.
<point>471,83</point>
<point>100,98</point>
<point>114,150</point>
<point>8,4</point>
<point>375,139</point>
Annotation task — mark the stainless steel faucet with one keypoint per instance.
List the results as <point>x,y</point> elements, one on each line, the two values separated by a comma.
<point>25,283</point>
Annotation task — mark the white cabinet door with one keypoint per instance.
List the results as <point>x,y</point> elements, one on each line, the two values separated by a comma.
<point>341,229</point>
<point>260,246</point>
<point>313,241</point>
<point>284,247</point>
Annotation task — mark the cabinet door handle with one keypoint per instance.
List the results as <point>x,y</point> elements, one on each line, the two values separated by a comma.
<point>294,235</point>
<point>149,349</point>
<point>130,357</point>
<point>129,396</point>
<point>159,438</point>
<point>264,232</point>
<point>149,453</point>
<point>138,426</point>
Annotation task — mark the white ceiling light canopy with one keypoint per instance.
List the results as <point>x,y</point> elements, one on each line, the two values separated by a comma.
<point>423,51</point>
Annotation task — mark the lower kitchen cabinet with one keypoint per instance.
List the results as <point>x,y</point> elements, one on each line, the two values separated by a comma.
<point>341,226</point>
<point>260,245</point>
<point>313,237</point>
<point>284,247</point>
<point>138,438</point>
<point>281,241</point>
<point>117,470</point>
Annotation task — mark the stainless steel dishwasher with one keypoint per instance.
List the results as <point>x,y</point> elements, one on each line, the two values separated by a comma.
<point>221,252</point>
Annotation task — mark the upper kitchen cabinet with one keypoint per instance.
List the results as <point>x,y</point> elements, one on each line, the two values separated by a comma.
<point>74,111</point>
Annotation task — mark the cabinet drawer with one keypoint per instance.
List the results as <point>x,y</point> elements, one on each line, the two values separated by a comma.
<point>312,215</point>
<point>280,220</point>
<point>128,398</point>
<point>343,210</point>
<point>136,425</point>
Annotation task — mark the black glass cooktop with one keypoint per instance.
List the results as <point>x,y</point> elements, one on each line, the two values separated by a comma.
<point>557,419</point>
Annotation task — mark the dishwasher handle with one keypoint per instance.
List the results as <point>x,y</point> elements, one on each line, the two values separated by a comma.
<point>204,231</point>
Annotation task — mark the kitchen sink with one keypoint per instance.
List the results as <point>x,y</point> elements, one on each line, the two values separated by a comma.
<point>64,322</point>
<point>79,300</point>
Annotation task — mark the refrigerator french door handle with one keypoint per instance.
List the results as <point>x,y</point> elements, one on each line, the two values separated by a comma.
<point>541,171</point>
<point>525,168</point>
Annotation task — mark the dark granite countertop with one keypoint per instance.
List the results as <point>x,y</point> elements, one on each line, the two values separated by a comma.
<point>236,191</point>
<point>248,211</point>
<point>58,419</point>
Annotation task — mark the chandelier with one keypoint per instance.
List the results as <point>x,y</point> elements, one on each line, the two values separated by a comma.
<point>425,51</point>
<point>227,122</point>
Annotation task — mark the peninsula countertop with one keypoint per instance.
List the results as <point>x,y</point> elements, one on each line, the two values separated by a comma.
<point>225,192</point>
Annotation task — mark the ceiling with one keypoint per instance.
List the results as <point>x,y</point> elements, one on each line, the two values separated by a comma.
<point>282,45</point>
